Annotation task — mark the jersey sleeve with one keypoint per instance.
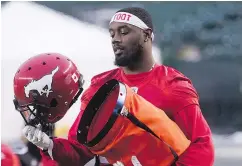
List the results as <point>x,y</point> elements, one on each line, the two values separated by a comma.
<point>195,127</point>
<point>183,103</point>
<point>67,152</point>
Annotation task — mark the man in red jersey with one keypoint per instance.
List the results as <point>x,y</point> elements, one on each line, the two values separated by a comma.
<point>131,31</point>
<point>8,158</point>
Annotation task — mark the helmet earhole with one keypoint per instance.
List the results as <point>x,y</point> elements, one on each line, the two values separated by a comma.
<point>53,103</point>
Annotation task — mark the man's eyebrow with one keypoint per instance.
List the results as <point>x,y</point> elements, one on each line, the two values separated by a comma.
<point>123,26</point>
<point>120,27</point>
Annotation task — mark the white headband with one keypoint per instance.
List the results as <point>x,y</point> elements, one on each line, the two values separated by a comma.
<point>130,19</point>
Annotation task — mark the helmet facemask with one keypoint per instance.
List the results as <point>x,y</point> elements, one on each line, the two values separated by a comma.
<point>36,115</point>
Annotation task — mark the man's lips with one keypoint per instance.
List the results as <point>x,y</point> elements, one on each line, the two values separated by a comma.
<point>118,50</point>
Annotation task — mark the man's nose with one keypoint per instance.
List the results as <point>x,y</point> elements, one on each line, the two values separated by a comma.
<point>116,39</point>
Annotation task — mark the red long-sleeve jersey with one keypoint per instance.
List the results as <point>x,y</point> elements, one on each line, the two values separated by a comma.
<point>167,89</point>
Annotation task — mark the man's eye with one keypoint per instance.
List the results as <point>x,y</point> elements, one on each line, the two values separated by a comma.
<point>123,31</point>
<point>111,35</point>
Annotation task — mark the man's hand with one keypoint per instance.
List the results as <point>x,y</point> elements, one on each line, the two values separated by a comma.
<point>118,163</point>
<point>39,138</point>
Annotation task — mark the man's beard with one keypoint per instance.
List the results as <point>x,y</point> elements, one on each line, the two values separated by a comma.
<point>130,57</point>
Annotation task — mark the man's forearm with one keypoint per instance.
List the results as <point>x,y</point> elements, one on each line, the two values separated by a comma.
<point>66,152</point>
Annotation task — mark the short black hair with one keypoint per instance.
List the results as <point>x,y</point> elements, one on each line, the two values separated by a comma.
<point>140,13</point>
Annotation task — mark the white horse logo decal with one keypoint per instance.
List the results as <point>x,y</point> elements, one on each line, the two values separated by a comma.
<point>43,85</point>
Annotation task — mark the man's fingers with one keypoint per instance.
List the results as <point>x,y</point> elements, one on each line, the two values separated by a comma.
<point>26,130</point>
<point>29,136</point>
<point>39,136</point>
<point>29,132</point>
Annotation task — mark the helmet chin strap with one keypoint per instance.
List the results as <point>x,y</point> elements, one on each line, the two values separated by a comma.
<point>76,97</point>
<point>81,83</point>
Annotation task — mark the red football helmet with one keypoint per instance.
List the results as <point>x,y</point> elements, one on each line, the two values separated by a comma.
<point>45,87</point>
<point>8,158</point>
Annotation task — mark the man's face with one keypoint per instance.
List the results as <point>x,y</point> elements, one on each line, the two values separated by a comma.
<point>126,43</point>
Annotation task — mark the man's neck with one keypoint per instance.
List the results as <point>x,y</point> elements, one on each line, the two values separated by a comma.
<point>144,66</point>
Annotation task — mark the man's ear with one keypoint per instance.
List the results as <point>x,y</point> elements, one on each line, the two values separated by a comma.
<point>147,34</point>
